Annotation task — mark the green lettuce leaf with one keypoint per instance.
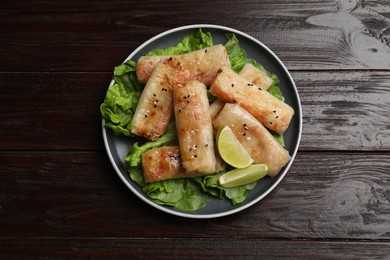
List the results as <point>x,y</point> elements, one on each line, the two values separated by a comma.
<point>168,138</point>
<point>191,42</point>
<point>211,185</point>
<point>121,99</point>
<point>134,157</point>
<point>183,194</point>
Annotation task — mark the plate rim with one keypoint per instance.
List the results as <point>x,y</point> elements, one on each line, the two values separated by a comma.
<point>238,208</point>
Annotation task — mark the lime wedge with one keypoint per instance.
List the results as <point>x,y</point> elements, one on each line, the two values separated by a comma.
<point>238,177</point>
<point>231,150</point>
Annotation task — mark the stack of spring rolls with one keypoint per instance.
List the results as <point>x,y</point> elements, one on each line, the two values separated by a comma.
<point>177,87</point>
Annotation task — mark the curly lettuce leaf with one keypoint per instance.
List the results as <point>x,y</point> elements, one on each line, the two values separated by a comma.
<point>183,194</point>
<point>191,42</point>
<point>135,154</point>
<point>121,99</point>
<point>211,185</point>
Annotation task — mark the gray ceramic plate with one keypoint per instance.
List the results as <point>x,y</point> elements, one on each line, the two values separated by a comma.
<point>117,147</point>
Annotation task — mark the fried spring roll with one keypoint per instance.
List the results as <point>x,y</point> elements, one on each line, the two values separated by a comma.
<point>194,128</point>
<point>162,163</point>
<point>145,66</point>
<point>256,139</point>
<point>155,107</point>
<point>230,87</point>
<point>256,76</point>
<point>202,64</point>
<point>215,107</point>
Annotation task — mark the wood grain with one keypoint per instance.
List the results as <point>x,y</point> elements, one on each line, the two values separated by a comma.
<point>308,35</point>
<point>187,248</point>
<point>341,110</point>
<point>61,198</point>
<point>324,195</point>
<point>345,110</point>
<point>52,110</point>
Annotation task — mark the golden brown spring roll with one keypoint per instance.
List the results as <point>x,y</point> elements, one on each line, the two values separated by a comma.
<point>145,66</point>
<point>256,76</point>
<point>215,107</point>
<point>256,139</point>
<point>201,65</point>
<point>155,107</point>
<point>194,128</point>
<point>230,87</point>
<point>162,163</point>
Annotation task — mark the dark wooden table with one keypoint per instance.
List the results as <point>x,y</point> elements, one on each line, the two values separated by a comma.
<point>60,196</point>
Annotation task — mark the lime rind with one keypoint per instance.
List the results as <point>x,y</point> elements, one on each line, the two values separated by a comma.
<point>239,177</point>
<point>231,150</point>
